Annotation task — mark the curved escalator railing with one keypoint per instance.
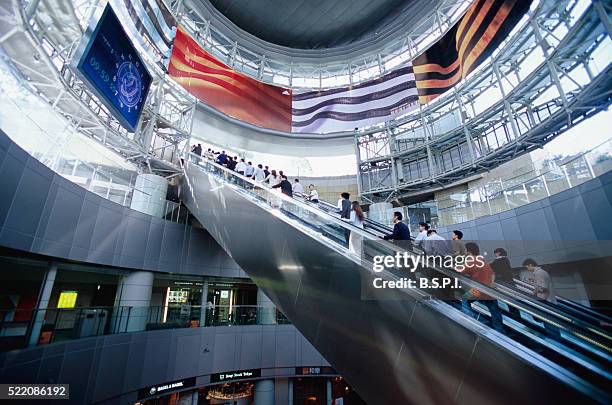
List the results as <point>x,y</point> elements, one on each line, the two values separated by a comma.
<point>579,347</point>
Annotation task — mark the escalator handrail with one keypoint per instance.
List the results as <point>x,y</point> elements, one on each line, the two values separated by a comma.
<point>549,309</point>
<point>520,284</point>
<point>510,297</point>
<point>585,310</point>
<point>303,205</point>
<point>446,310</point>
<point>369,225</point>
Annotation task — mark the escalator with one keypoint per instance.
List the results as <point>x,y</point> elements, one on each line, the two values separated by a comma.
<point>408,348</point>
<point>562,308</point>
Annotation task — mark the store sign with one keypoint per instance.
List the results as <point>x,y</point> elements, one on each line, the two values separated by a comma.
<point>178,296</point>
<point>314,370</point>
<point>235,375</point>
<point>166,387</point>
<point>67,299</point>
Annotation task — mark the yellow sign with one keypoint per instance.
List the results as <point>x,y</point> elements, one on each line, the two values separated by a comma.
<point>67,299</point>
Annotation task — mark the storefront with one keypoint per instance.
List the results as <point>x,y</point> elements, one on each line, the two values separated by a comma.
<point>299,390</point>
<point>177,301</point>
<point>200,301</point>
<point>232,303</point>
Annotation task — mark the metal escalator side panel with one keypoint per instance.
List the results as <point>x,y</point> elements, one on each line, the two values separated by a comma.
<point>390,351</point>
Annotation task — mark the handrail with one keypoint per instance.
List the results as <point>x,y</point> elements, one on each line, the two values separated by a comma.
<point>586,309</point>
<point>59,324</point>
<point>511,298</point>
<point>282,196</point>
<point>543,306</point>
<point>534,175</point>
<point>373,225</point>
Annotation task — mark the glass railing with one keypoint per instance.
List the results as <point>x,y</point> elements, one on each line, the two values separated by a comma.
<point>546,178</point>
<point>306,216</point>
<point>527,319</point>
<point>20,328</point>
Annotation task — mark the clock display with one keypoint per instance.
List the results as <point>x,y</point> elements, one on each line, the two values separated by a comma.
<point>113,69</point>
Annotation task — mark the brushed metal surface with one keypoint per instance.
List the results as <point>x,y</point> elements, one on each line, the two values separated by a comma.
<point>391,352</point>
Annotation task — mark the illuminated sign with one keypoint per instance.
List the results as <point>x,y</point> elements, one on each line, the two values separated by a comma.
<point>314,370</point>
<point>166,387</point>
<point>235,375</point>
<point>178,296</point>
<point>67,299</point>
<point>113,69</point>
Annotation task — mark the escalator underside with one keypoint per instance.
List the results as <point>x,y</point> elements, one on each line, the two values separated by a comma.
<point>404,350</point>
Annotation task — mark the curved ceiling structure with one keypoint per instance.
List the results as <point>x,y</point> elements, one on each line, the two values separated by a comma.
<point>317,33</point>
<point>315,24</point>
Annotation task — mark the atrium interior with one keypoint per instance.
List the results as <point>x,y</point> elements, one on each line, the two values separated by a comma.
<point>306,202</point>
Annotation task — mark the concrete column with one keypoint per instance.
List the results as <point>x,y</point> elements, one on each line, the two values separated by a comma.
<point>150,195</point>
<point>43,303</point>
<point>266,311</point>
<point>133,300</point>
<point>381,212</point>
<point>264,392</point>
<point>204,301</point>
<point>328,386</point>
<point>194,397</point>
<point>290,388</point>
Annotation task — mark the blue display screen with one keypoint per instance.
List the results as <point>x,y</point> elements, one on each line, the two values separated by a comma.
<point>115,71</point>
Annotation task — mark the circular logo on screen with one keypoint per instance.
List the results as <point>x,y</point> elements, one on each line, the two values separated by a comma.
<point>129,84</point>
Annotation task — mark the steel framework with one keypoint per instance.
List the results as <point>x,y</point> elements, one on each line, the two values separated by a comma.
<point>538,84</point>
<point>39,38</point>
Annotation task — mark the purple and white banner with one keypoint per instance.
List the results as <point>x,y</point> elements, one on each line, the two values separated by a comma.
<point>347,108</point>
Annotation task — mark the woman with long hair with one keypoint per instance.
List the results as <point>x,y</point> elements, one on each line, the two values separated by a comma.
<point>273,179</point>
<point>357,218</point>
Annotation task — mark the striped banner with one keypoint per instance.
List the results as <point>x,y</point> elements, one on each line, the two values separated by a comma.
<point>346,108</point>
<point>150,23</point>
<point>472,40</point>
<point>227,90</point>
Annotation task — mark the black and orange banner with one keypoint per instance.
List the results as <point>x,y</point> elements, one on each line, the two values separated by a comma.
<point>472,40</point>
<point>230,92</point>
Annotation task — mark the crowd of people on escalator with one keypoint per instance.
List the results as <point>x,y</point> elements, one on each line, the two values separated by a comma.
<point>259,173</point>
<point>498,271</point>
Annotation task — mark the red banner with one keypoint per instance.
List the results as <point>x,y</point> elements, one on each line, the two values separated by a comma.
<point>230,92</point>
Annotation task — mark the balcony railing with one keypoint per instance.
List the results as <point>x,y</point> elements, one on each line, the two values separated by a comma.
<point>546,178</point>
<point>21,328</point>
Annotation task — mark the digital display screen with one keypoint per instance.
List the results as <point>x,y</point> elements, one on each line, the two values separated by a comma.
<point>114,70</point>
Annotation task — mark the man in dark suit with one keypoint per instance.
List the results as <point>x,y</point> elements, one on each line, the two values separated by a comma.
<point>285,186</point>
<point>502,268</point>
<point>400,229</point>
<point>344,205</point>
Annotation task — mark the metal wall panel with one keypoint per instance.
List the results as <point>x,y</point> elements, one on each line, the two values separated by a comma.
<point>44,213</point>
